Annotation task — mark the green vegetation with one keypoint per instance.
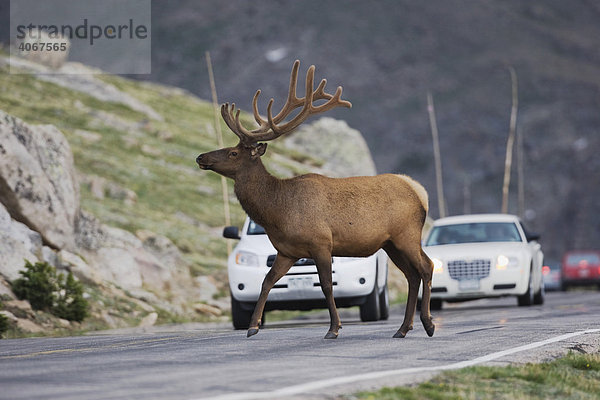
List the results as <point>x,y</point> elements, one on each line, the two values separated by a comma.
<point>48,291</point>
<point>575,376</point>
<point>38,285</point>
<point>70,304</point>
<point>4,325</point>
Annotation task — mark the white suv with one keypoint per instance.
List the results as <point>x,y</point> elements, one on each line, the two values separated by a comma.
<point>356,281</point>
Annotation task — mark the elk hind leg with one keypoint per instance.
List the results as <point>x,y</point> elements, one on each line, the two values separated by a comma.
<point>426,272</point>
<point>280,267</point>
<point>411,303</point>
<point>413,279</point>
<point>421,270</point>
<point>323,262</point>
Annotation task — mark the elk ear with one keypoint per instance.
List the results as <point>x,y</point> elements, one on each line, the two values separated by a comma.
<point>258,150</point>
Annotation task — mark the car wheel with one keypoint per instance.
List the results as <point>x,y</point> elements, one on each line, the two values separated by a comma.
<point>384,304</point>
<point>370,310</point>
<point>527,298</point>
<point>538,298</point>
<point>435,304</point>
<point>240,316</point>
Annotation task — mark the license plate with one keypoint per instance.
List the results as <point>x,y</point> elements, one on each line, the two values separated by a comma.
<point>300,283</point>
<point>584,273</point>
<point>470,285</point>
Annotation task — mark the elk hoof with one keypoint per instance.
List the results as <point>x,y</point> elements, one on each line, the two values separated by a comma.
<point>331,335</point>
<point>428,325</point>
<point>252,332</point>
<point>430,330</point>
<point>399,334</point>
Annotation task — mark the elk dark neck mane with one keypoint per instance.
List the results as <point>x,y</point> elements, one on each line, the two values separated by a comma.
<point>257,191</point>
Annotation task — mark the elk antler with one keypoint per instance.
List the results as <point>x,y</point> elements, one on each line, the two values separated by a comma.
<point>272,127</point>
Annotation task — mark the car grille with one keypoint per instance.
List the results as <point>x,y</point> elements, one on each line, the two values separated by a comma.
<point>302,261</point>
<point>474,269</point>
<point>299,263</point>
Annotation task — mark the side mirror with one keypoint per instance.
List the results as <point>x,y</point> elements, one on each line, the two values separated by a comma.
<point>530,236</point>
<point>231,232</point>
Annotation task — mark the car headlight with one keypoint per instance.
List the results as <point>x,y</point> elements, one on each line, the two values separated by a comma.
<point>246,258</point>
<point>438,266</point>
<point>503,262</point>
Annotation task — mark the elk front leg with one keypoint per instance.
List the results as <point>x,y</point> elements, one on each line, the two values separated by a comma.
<point>325,278</point>
<point>281,266</point>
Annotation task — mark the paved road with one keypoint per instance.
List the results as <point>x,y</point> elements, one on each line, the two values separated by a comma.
<point>284,359</point>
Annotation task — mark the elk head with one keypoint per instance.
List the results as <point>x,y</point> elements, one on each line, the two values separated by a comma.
<point>229,160</point>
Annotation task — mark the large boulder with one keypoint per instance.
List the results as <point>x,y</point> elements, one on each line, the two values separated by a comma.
<point>37,179</point>
<point>343,149</point>
<point>17,244</point>
<point>163,249</point>
<point>120,257</point>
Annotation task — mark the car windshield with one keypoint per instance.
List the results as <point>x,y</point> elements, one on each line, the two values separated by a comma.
<point>579,258</point>
<point>474,233</point>
<point>255,229</point>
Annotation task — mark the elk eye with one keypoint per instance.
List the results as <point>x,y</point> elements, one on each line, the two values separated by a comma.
<point>233,154</point>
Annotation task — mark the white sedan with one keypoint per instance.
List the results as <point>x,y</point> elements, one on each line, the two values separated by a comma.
<point>356,281</point>
<point>486,255</point>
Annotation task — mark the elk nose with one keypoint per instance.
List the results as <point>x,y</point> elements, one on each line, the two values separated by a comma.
<point>199,159</point>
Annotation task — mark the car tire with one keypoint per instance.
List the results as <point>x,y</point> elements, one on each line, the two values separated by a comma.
<point>369,311</point>
<point>538,298</point>
<point>435,304</point>
<point>384,304</point>
<point>240,316</point>
<point>526,299</point>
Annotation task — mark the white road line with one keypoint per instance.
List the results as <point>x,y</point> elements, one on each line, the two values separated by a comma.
<point>312,386</point>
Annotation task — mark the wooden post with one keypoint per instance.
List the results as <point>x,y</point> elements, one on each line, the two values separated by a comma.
<point>520,174</point>
<point>467,195</point>
<point>436,156</point>
<point>511,139</point>
<point>224,187</point>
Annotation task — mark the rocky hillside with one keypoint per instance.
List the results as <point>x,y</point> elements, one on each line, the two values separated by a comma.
<point>98,177</point>
<point>389,54</point>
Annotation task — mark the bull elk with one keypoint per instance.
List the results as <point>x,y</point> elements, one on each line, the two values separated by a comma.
<point>313,216</point>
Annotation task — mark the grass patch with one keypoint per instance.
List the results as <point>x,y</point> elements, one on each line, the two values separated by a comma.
<point>575,376</point>
<point>400,298</point>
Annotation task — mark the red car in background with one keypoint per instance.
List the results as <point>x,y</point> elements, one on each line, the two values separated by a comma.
<point>581,268</point>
